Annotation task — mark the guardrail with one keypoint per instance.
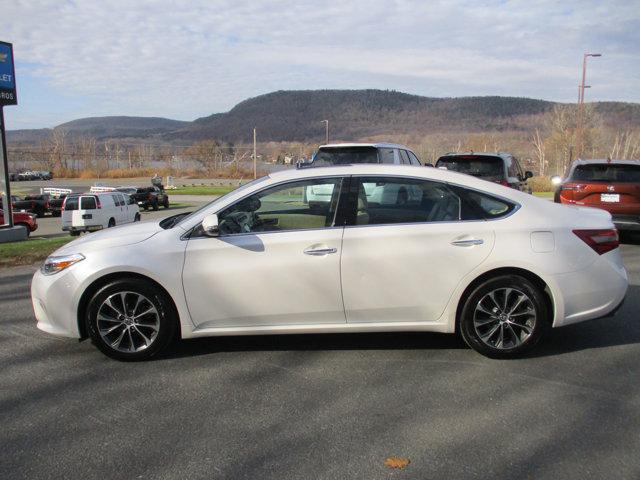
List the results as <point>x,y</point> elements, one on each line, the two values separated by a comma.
<point>55,192</point>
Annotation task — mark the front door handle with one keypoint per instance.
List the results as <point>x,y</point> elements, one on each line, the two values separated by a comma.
<point>319,251</point>
<point>467,243</point>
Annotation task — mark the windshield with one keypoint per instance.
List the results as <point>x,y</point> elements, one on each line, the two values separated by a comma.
<point>483,166</point>
<point>345,156</point>
<point>606,172</point>
<point>246,186</point>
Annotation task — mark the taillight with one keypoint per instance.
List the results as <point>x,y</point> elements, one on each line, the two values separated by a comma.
<point>503,182</point>
<point>601,241</point>
<point>98,205</point>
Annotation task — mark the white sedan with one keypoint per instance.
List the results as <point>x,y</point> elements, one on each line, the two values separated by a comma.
<point>496,265</point>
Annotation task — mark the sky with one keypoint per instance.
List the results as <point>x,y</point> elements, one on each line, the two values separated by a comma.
<point>186,59</point>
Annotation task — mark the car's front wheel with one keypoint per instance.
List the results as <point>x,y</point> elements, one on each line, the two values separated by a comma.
<point>130,319</point>
<point>504,316</point>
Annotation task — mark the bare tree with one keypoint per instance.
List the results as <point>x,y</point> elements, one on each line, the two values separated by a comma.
<point>540,151</point>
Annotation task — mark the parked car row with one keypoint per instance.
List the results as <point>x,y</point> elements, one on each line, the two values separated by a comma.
<point>500,167</point>
<point>30,175</point>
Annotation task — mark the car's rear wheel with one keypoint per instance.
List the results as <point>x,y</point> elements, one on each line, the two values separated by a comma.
<point>74,233</point>
<point>504,316</point>
<point>136,218</point>
<point>155,204</point>
<point>165,204</point>
<point>112,223</point>
<point>130,319</point>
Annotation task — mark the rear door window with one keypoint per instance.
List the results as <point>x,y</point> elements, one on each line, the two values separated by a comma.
<point>389,200</point>
<point>71,203</point>
<point>404,157</point>
<point>88,203</point>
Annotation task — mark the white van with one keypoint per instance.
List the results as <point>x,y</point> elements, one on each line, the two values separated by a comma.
<point>95,211</point>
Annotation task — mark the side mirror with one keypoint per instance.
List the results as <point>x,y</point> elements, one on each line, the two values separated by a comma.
<point>556,180</point>
<point>528,175</point>
<point>210,225</point>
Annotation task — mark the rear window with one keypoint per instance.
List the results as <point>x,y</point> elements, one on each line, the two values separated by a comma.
<point>483,166</point>
<point>607,172</point>
<point>71,203</point>
<point>87,203</point>
<point>345,156</point>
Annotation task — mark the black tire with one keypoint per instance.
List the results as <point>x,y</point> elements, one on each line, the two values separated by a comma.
<point>165,204</point>
<point>39,212</point>
<point>167,319</point>
<point>74,233</point>
<point>155,205</point>
<point>146,207</point>
<point>112,223</point>
<point>136,218</point>
<point>518,330</point>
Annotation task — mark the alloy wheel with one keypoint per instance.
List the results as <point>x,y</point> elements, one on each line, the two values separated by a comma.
<point>504,318</point>
<point>128,322</point>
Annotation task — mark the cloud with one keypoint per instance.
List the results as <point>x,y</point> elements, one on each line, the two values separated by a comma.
<point>186,59</point>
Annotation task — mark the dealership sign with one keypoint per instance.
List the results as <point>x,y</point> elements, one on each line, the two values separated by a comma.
<point>7,76</point>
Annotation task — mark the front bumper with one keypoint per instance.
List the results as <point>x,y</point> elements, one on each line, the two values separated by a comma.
<point>54,303</point>
<point>87,228</point>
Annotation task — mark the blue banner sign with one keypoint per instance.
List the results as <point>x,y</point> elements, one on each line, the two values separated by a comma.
<point>7,76</point>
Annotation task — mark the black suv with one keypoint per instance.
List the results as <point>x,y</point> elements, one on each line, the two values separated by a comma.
<point>502,168</point>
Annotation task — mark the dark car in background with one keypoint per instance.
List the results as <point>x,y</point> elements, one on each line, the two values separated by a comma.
<point>354,153</point>
<point>38,204</point>
<point>500,167</point>
<point>612,185</point>
<point>147,197</point>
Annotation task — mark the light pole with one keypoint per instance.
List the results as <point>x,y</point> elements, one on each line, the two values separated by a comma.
<point>255,157</point>
<point>326,131</point>
<point>581,89</point>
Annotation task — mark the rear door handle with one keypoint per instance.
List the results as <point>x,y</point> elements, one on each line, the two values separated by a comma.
<point>467,243</point>
<point>319,251</point>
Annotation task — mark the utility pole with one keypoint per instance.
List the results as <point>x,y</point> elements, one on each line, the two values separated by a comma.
<point>581,89</point>
<point>326,131</point>
<point>255,158</point>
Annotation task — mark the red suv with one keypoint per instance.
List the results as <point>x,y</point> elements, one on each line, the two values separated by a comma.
<point>27,220</point>
<point>613,185</point>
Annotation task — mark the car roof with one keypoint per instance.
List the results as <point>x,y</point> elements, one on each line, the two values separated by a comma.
<point>595,161</point>
<point>374,169</point>
<point>374,145</point>
<point>480,154</point>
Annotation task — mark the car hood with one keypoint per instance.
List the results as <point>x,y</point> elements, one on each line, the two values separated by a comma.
<point>112,237</point>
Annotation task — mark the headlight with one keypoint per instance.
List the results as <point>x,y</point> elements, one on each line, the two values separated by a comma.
<point>58,263</point>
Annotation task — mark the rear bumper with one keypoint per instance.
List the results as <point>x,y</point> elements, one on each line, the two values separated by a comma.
<point>626,222</point>
<point>594,292</point>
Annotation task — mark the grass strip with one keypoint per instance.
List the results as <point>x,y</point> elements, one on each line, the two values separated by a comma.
<point>30,251</point>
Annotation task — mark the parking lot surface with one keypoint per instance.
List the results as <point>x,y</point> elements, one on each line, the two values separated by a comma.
<point>321,406</point>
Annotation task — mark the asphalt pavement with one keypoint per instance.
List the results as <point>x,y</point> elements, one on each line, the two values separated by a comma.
<point>321,406</point>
